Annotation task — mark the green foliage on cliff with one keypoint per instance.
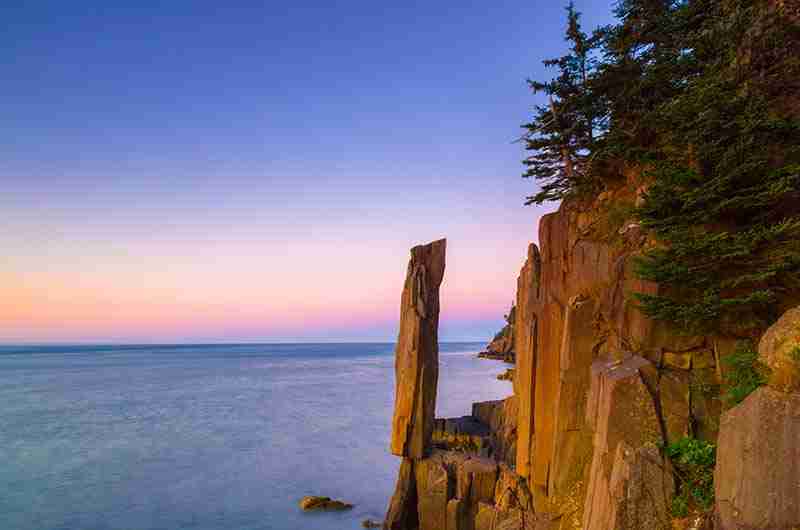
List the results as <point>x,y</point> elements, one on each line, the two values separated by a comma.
<point>508,328</point>
<point>795,354</point>
<point>700,94</point>
<point>743,374</point>
<point>693,461</point>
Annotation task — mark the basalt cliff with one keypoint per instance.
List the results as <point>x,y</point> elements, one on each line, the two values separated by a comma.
<point>599,392</point>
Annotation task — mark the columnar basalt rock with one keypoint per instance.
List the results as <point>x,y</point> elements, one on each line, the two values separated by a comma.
<point>598,389</point>
<point>757,478</point>
<point>417,353</point>
<point>574,307</point>
<point>572,442</point>
<point>402,513</point>
<point>525,332</point>
<point>435,488</point>
<point>627,430</point>
<point>501,419</point>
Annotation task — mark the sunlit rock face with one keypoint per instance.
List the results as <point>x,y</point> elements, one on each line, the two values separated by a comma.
<point>630,483</point>
<point>574,309</point>
<point>599,389</point>
<point>417,354</point>
<point>757,478</point>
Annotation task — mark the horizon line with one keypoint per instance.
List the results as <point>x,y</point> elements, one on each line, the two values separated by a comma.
<point>214,343</point>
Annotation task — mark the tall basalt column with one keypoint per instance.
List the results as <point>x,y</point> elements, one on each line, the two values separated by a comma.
<point>417,353</point>
<point>525,336</point>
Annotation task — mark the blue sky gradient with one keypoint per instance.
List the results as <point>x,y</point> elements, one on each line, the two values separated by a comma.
<point>144,133</point>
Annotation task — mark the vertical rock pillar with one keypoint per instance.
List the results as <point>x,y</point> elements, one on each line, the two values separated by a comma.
<point>416,377</point>
<point>525,336</point>
<point>417,353</point>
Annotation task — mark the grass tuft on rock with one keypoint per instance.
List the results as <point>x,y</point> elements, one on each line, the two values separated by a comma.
<point>795,354</point>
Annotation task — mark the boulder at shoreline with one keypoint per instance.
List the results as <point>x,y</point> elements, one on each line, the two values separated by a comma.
<point>312,503</point>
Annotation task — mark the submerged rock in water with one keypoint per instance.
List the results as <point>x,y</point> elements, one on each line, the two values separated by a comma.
<point>369,523</point>
<point>311,503</point>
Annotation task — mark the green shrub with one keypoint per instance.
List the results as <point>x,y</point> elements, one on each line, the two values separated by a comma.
<point>745,373</point>
<point>795,353</point>
<point>694,462</point>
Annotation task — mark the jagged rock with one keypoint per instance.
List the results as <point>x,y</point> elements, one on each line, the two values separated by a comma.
<point>501,418</point>
<point>779,349</point>
<point>461,434</point>
<point>417,353</point>
<point>475,483</point>
<point>508,375</point>
<point>458,515</point>
<point>511,491</point>
<point>507,357</point>
<point>486,516</point>
<point>679,361</point>
<point>757,478</point>
<point>312,503</point>
<point>434,489</point>
<point>445,489</point>
<point>490,517</point>
<point>503,343</point>
<point>476,480</point>
<point>703,358</point>
<point>402,513</point>
<point>369,523</point>
<point>674,399</point>
<point>623,415</point>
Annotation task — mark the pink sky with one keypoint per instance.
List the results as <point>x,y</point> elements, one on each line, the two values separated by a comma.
<point>119,277</point>
<point>260,173</point>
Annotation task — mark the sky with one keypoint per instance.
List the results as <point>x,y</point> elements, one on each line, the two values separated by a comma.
<point>204,171</point>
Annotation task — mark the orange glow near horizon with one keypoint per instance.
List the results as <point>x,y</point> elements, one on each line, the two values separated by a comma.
<point>317,291</point>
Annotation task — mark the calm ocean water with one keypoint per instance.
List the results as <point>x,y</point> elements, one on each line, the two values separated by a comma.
<point>207,437</point>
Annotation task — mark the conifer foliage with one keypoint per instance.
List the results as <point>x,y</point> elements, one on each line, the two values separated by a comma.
<point>705,95</point>
<point>560,137</point>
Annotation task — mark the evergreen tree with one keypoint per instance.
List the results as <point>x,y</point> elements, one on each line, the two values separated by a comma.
<point>644,64</point>
<point>561,135</point>
<point>724,199</point>
<point>703,95</point>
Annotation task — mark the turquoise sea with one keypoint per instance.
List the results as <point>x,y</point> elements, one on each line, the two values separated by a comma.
<point>207,437</point>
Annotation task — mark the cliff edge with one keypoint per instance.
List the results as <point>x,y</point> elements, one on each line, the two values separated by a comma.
<point>599,392</point>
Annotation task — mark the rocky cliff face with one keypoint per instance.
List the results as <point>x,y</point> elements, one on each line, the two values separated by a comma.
<point>598,385</point>
<point>503,343</point>
<point>599,390</point>
<point>757,478</point>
